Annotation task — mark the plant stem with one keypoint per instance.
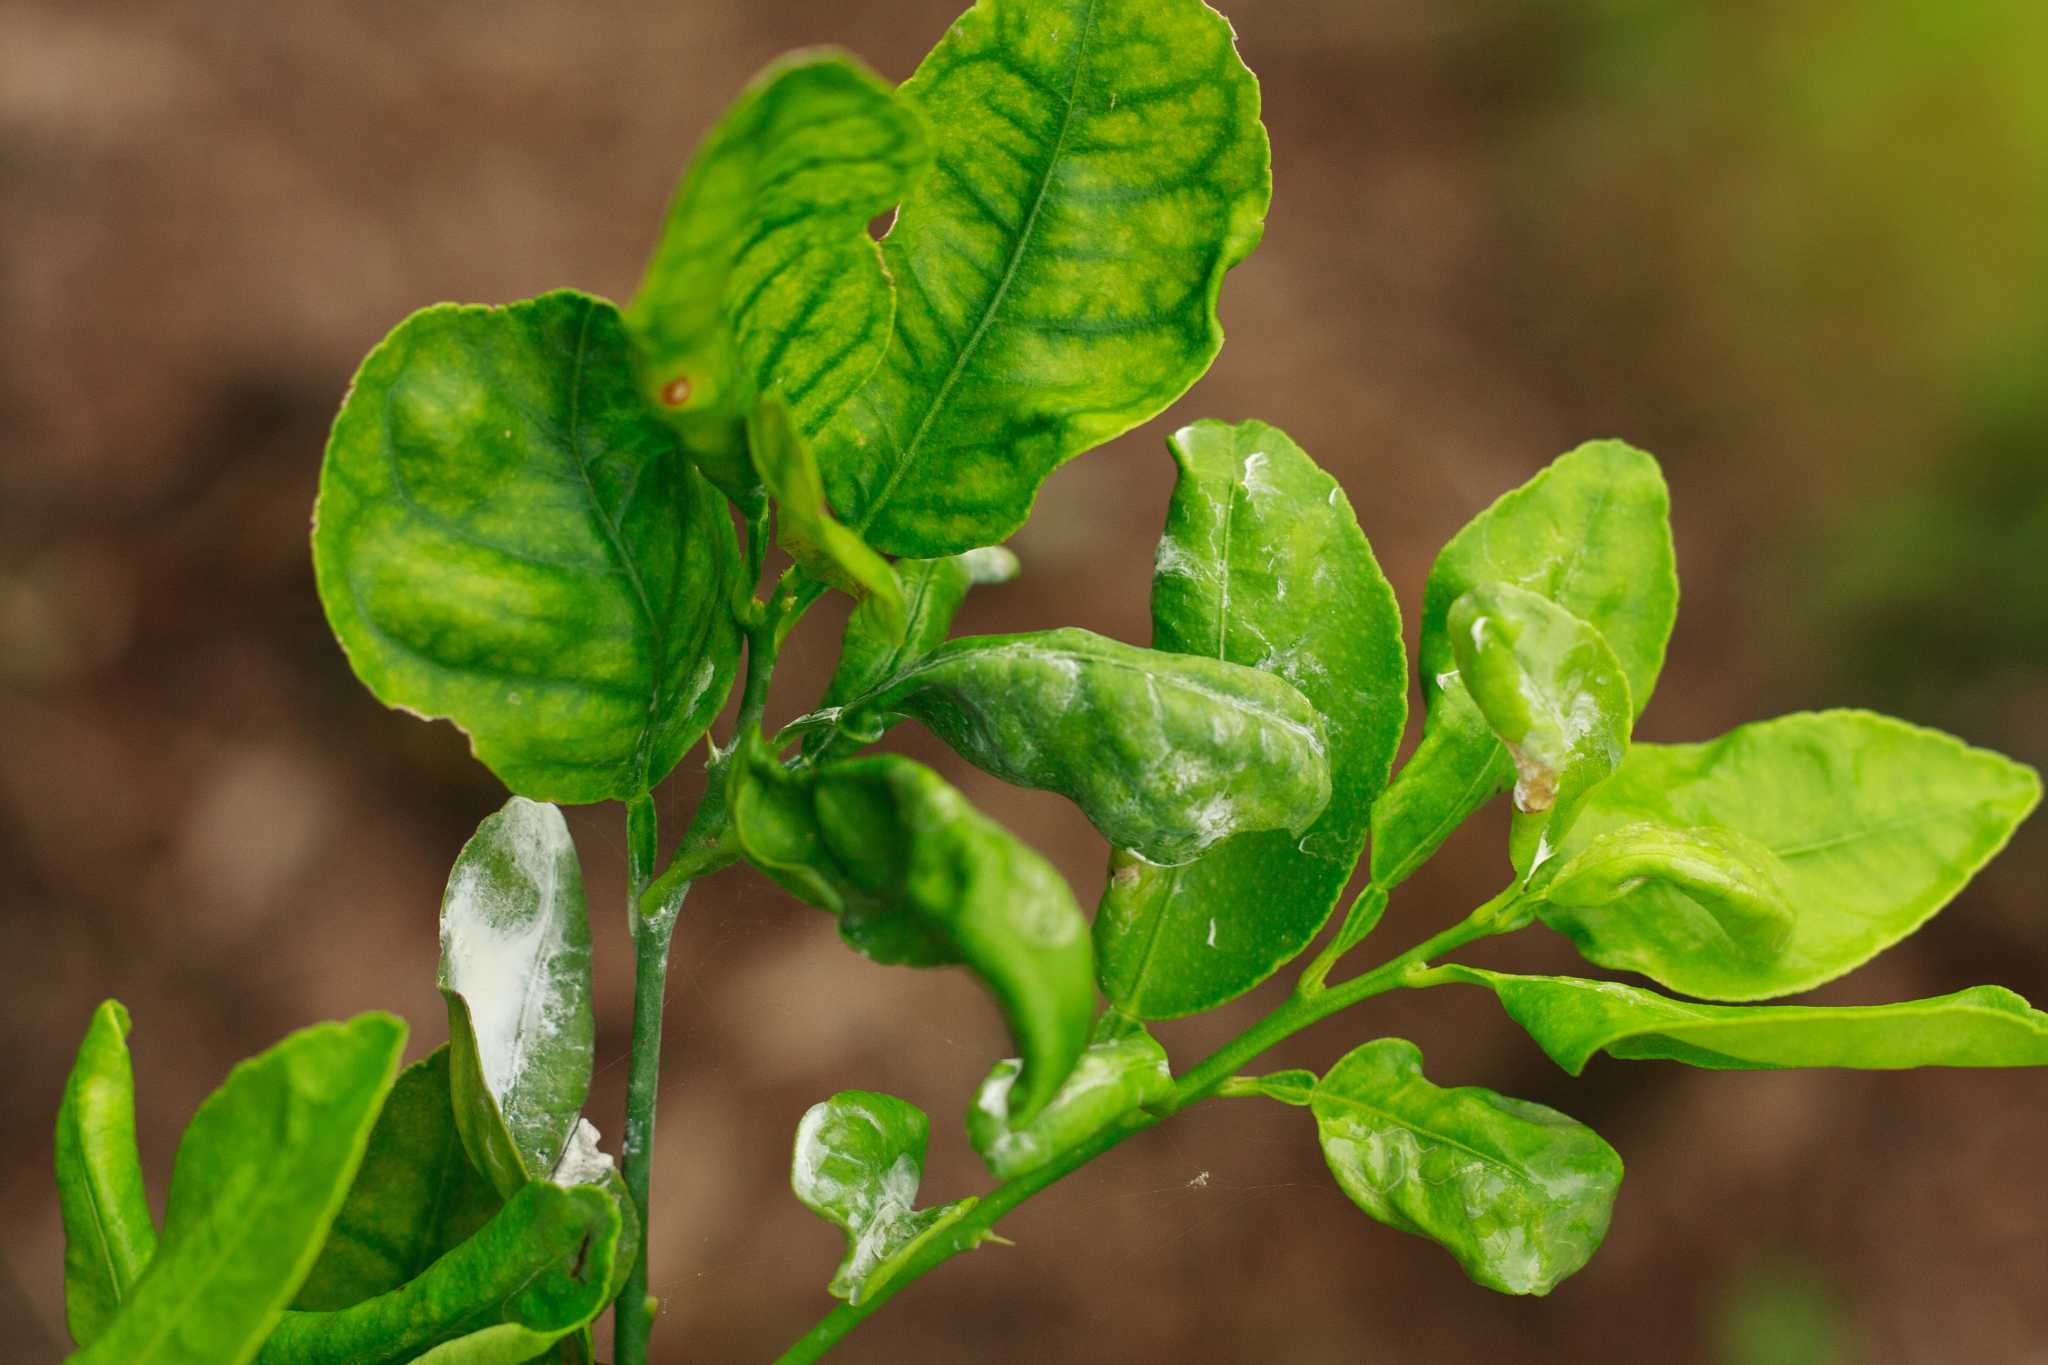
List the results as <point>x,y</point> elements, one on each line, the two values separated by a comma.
<point>1302,1009</point>
<point>633,1318</point>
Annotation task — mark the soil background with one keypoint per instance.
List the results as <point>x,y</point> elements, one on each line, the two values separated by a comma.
<point>1796,249</point>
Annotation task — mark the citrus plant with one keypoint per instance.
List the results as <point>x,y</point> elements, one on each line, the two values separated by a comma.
<point>549,522</point>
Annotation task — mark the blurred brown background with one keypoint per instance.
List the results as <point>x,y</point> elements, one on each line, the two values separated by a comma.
<point>1799,248</point>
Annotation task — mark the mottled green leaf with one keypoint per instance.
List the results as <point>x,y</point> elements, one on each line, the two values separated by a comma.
<point>543,1266</point>
<point>1262,564</point>
<point>109,1235</point>
<point>416,1196</point>
<point>1572,1019</point>
<point>1098,166</point>
<point>765,278</point>
<point>258,1177</point>
<point>858,1161</point>
<point>919,877</point>
<point>1876,825</point>
<point>933,590</point>
<point>515,970</point>
<point>1552,692</point>
<point>1737,881</point>
<point>1111,1079</point>
<point>1591,533</point>
<point>805,526</point>
<point>507,538</point>
<point>1519,1193</point>
<point>1165,753</point>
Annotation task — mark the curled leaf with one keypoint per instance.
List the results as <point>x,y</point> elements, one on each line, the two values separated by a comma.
<point>858,1162</point>
<point>1166,754</point>
<point>1111,1079</point>
<point>515,971</point>
<point>1519,1193</point>
<point>109,1235</point>
<point>1571,1020</point>
<point>1735,879</point>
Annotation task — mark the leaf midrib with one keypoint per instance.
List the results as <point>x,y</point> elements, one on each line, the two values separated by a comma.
<point>908,452</point>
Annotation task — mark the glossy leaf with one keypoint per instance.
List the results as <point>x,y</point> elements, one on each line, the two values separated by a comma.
<point>515,970</point>
<point>415,1197</point>
<point>765,279</point>
<point>1111,1079</point>
<point>920,878</point>
<point>1520,1194</point>
<point>1738,882</point>
<point>858,1161</point>
<point>1166,754</point>
<point>933,590</point>
<point>543,1266</point>
<point>1572,1019</point>
<point>1552,692</point>
<point>507,538</point>
<point>1098,166</point>
<point>1261,564</point>
<point>258,1177</point>
<point>1590,533</point>
<point>805,526</point>
<point>1876,825</point>
<point>109,1235</point>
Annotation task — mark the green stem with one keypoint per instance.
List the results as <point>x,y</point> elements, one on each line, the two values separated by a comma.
<point>975,1226</point>
<point>633,1319</point>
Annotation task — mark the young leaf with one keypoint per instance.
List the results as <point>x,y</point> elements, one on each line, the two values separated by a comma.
<point>1261,564</point>
<point>765,279</point>
<point>933,590</point>
<point>1572,1019</point>
<point>1165,753</point>
<point>1099,165</point>
<point>506,538</point>
<point>1736,880</point>
<point>515,971</point>
<point>858,1161</point>
<point>1876,825</point>
<point>1520,1194</point>
<point>806,527</point>
<point>1551,691</point>
<point>1111,1079</point>
<point>543,1264</point>
<point>1591,533</point>
<point>109,1235</point>
<point>258,1177</point>
<point>416,1196</point>
<point>919,877</point>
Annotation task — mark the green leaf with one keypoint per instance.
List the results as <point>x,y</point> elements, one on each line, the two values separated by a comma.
<point>765,279</point>
<point>858,1161</point>
<point>258,1177</point>
<point>543,1266</point>
<point>1099,165</point>
<point>1572,1019</point>
<point>1876,825</point>
<point>515,971</point>
<point>1165,753</point>
<point>507,538</point>
<point>1262,564</point>
<point>805,526</point>
<point>1552,692</point>
<point>1520,1194</point>
<point>933,590</point>
<point>920,878</point>
<point>1111,1079</point>
<point>1591,533</point>
<point>1732,878</point>
<point>416,1196</point>
<point>109,1235</point>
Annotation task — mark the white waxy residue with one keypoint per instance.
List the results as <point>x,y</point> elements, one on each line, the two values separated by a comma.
<point>582,1162</point>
